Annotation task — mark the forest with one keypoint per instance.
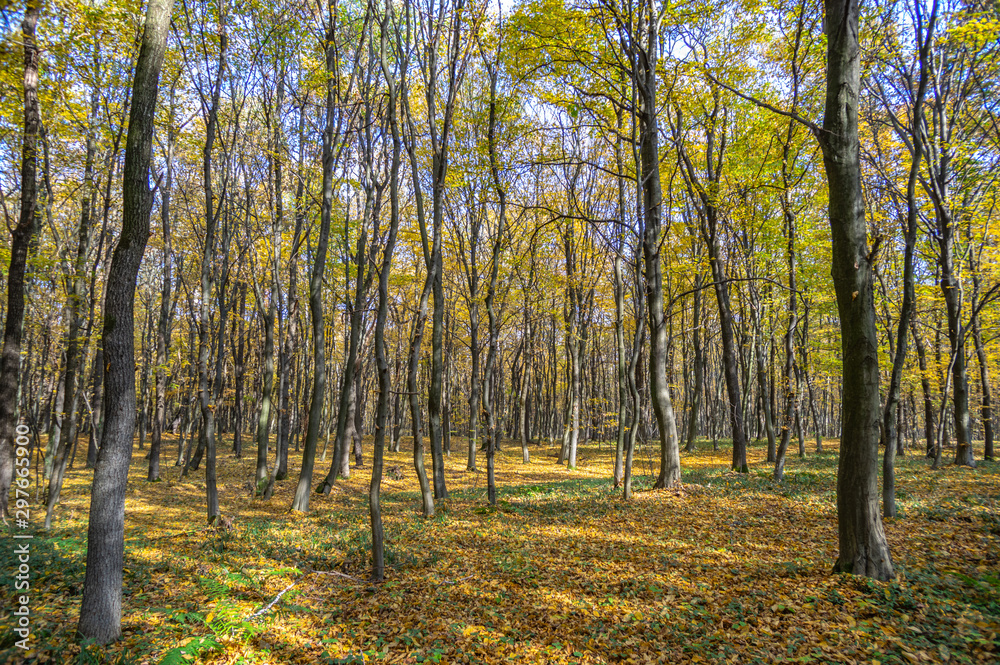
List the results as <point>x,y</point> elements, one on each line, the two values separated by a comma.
<point>474,330</point>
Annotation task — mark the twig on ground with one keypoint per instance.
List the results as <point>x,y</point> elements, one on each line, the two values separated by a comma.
<point>267,607</point>
<point>337,573</point>
<point>461,579</point>
<point>174,535</point>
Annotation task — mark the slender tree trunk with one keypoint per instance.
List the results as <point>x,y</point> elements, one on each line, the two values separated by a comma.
<point>475,352</point>
<point>490,402</point>
<point>956,336</point>
<point>21,239</point>
<point>621,364</point>
<point>730,362</point>
<point>97,420</point>
<point>649,153</point>
<point>381,361</point>
<point>636,411</point>
<point>240,361</point>
<point>301,501</point>
<point>986,408</point>
<point>76,343</point>
<point>100,611</point>
<point>698,366</point>
<point>290,348</point>
<point>416,337</point>
<point>348,388</point>
<point>890,412</point>
<point>208,406</point>
<point>930,427</point>
<point>164,323</point>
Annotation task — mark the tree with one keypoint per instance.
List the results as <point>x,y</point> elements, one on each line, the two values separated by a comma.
<point>335,124</point>
<point>912,134</point>
<point>863,547</point>
<point>643,45</point>
<point>164,322</point>
<point>10,355</point>
<point>100,610</point>
<point>392,89</point>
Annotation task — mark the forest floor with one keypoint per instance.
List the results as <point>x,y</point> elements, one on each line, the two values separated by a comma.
<point>733,568</point>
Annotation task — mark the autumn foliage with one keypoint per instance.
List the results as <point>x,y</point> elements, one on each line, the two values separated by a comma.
<point>729,568</point>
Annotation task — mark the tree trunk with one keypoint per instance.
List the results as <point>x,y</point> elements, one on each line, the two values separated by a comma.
<point>301,501</point>
<point>930,427</point>
<point>890,413</point>
<point>100,610</point>
<point>240,361</point>
<point>698,367</point>
<point>986,407</point>
<point>76,342</point>
<point>207,404</point>
<point>290,349</point>
<point>381,362</point>
<point>163,327</point>
<point>21,238</point>
<point>348,386</point>
<point>649,153</point>
<point>863,547</point>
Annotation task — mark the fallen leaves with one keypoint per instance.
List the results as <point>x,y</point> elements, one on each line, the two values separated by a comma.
<point>723,568</point>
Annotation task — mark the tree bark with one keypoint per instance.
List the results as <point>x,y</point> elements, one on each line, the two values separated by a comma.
<point>21,237</point>
<point>863,546</point>
<point>645,56</point>
<point>381,361</point>
<point>207,404</point>
<point>164,323</point>
<point>76,342</point>
<point>301,501</point>
<point>100,610</point>
<point>890,412</point>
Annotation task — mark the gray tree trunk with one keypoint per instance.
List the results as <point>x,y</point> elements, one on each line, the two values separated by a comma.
<point>645,55</point>
<point>100,610</point>
<point>10,356</point>
<point>863,546</point>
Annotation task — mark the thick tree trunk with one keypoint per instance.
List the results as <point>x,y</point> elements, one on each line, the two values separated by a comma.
<point>100,610</point>
<point>863,547</point>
